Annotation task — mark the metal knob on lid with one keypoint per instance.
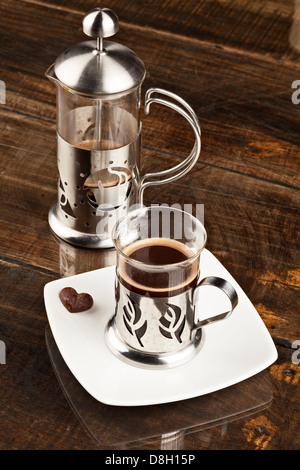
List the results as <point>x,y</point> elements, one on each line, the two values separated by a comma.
<point>100,22</point>
<point>99,67</point>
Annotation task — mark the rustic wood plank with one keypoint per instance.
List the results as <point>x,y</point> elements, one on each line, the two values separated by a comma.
<point>37,175</point>
<point>251,127</point>
<point>27,422</point>
<point>268,27</point>
<point>248,415</point>
<point>33,413</point>
<point>254,215</point>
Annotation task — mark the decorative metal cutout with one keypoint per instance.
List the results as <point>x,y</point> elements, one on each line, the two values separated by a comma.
<point>64,202</point>
<point>133,320</point>
<point>172,322</point>
<point>109,187</point>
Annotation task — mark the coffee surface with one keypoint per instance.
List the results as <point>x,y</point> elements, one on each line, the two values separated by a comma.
<point>158,268</point>
<point>158,255</point>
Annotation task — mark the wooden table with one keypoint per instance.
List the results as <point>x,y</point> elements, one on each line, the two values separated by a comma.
<point>234,62</point>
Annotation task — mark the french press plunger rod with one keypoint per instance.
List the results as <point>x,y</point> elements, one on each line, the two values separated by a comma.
<point>99,134</point>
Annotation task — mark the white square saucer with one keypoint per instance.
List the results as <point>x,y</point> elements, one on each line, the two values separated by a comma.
<point>233,350</point>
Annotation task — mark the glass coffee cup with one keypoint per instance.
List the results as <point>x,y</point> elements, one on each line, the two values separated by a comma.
<point>156,323</point>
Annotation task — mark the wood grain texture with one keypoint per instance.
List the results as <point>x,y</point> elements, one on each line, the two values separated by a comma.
<point>268,27</point>
<point>255,125</point>
<point>234,62</point>
<point>32,409</point>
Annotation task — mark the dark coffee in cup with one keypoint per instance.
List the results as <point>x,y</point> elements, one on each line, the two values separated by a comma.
<point>158,267</point>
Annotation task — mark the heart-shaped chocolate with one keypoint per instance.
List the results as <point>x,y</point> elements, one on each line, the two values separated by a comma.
<point>75,302</point>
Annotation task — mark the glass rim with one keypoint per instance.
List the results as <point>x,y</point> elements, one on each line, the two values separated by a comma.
<point>148,209</point>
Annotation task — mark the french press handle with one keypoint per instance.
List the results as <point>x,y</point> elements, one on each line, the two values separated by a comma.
<point>172,174</point>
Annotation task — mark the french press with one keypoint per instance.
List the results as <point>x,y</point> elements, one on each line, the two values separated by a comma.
<point>99,134</point>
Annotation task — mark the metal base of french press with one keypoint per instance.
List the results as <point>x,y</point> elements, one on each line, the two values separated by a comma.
<point>151,360</point>
<point>74,237</point>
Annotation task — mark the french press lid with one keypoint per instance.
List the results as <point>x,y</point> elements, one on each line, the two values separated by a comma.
<point>99,67</point>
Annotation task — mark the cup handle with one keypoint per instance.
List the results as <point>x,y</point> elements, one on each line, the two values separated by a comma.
<point>226,287</point>
<point>183,108</point>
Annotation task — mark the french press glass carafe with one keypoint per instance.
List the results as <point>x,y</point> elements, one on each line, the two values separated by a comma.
<point>99,134</point>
